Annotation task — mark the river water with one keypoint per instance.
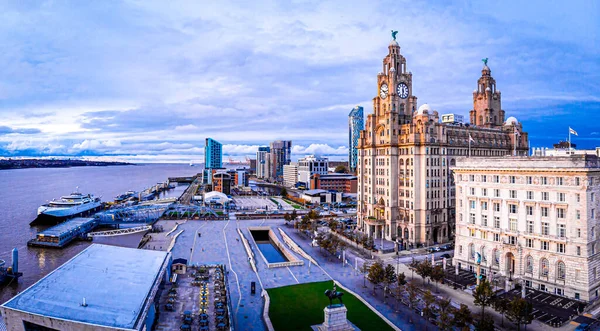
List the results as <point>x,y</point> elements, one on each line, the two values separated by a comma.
<point>22,191</point>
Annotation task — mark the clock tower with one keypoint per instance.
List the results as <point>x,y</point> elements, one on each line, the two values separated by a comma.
<point>395,88</point>
<point>487,106</point>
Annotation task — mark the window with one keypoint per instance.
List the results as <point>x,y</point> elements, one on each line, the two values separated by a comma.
<point>472,178</point>
<point>592,213</point>
<point>560,213</point>
<point>560,248</point>
<point>496,237</point>
<point>529,180</point>
<point>578,251</point>
<point>484,178</point>
<point>484,220</point>
<point>578,214</point>
<point>484,205</point>
<point>496,179</point>
<point>592,196</point>
<point>472,232</point>
<point>559,181</point>
<point>471,251</point>
<point>513,194</point>
<point>578,233</point>
<point>529,226</point>
<point>529,243</point>
<point>530,195</point>
<point>483,254</point>
<point>484,235</point>
<point>545,228</point>
<point>561,230</point>
<point>529,264</point>
<point>561,197</point>
<point>484,192</point>
<point>496,257</point>
<point>544,267</point>
<point>544,180</point>
<point>497,193</point>
<point>577,182</point>
<point>472,218</point>
<point>545,196</point>
<point>460,250</point>
<point>472,191</point>
<point>512,179</point>
<point>496,207</point>
<point>561,271</point>
<point>544,245</point>
<point>472,203</point>
<point>529,210</point>
<point>512,240</point>
<point>512,209</point>
<point>544,211</point>
<point>513,224</point>
<point>497,222</point>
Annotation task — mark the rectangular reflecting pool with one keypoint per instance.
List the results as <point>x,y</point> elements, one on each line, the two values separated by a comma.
<point>267,247</point>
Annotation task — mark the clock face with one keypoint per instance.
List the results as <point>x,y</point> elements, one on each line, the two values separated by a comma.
<point>402,90</point>
<point>383,91</point>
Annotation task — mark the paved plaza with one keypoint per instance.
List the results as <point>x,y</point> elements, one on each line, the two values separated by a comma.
<point>253,203</point>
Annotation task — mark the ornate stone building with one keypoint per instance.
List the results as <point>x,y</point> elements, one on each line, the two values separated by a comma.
<point>405,189</point>
<point>532,220</point>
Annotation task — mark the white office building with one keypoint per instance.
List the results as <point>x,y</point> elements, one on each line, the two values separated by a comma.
<point>290,174</point>
<point>311,165</point>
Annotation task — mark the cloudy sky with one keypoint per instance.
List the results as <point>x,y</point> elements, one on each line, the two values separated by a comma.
<point>149,80</point>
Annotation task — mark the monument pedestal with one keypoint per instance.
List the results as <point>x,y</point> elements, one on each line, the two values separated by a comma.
<point>335,320</point>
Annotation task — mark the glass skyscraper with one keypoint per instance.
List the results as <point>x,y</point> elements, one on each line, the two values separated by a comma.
<point>356,123</point>
<point>281,154</point>
<point>213,154</point>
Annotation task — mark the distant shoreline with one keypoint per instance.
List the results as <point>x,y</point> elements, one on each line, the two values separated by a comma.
<point>43,163</point>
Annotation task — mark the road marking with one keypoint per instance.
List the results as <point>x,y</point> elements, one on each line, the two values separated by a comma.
<point>237,280</point>
<point>194,244</point>
<point>288,268</point>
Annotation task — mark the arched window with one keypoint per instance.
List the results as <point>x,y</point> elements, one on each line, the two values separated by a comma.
<point>529,264</point>
<point>544,267</point>
<point>471,251</point>
<point>483,254</point>
<point>496,257</point>
<point>561,270</point>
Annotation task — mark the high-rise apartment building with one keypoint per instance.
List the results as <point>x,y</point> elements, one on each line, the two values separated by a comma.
<point>405,189</point>
<point>213,159</point>
<point>281,154</point>
<point>311,165</point>
<point>213,154</point>
<point>290,174</point>
<point>532,221</point>
<point>356,123</point>
<point>263,162</point>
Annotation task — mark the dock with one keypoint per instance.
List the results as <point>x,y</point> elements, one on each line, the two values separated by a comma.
<point>60,235</point>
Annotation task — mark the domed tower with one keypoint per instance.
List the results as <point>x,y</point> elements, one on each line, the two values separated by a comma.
<point>487,106</point>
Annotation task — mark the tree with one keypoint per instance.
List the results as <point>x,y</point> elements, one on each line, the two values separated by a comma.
<point>484,296</point>
<point>286,217</point>
<point>389,278</point>
<point>424,269</point>
<point>445,322</point>
<point>429,299</point>
<point>485,323</point>
<point>501,305</point>
<point>401,279</point>
<point>519,312</point>
<point>437,275</point>
<point>364,268</point>
<point>294,215</point>
<point>376,274</point>
<point>412,294</point>
<point>341,169</point>
<point>284,192</point>
<point>462,317</point>
<point>333,225</point>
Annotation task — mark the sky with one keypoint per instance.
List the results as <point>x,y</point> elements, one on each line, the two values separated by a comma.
<point>148,81</point>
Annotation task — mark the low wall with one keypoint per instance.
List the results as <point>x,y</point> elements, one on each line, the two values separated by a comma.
<point>292,260</point>
<point>248,250</point>
<point>265,315</point>
<point>172,244</point>
<point>295,247</point>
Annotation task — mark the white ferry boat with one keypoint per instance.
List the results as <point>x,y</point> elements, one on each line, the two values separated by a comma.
<point>70,205</point>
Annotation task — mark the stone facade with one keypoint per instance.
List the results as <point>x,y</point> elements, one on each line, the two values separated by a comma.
<point>405,188</point>
<point>335,320</point>
<point>533,220</point>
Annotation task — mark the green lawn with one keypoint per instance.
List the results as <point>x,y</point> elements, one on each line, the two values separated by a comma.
<point>297,307</point>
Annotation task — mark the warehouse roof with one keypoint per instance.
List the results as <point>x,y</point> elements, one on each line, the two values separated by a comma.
<point>66,226</point>
<point>115,282</point>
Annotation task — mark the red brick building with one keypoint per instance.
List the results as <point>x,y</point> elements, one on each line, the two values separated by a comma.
<point>345,183</point>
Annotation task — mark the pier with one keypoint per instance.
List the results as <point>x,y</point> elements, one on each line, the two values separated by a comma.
<point>60,235</point>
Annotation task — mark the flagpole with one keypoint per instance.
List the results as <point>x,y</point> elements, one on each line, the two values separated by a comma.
<point>515,144</point>
<point>469,145</point>
<point>569,140</point>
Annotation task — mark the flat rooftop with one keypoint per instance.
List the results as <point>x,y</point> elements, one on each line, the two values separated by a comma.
<point>115,282</point>
<point>66,226</point>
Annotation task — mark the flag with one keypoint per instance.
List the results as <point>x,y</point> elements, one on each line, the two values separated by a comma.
<point>471,138</point>
<point>571,131</point>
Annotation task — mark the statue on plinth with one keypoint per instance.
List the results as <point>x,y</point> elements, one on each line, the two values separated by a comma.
<point>334,294</point>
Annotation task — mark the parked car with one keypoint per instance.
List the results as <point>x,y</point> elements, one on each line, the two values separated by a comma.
<point>447,247</point>
<point>447,256</point>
